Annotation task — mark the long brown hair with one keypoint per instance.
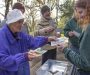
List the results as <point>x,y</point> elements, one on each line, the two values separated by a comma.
<point>85,4</point>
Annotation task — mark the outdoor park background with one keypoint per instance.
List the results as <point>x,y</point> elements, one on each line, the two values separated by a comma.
<point>61,11</point>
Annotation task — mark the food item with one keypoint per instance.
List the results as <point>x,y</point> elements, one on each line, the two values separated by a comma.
<point>59,40</point>
<point>39,51</point>
<point>37,54</point>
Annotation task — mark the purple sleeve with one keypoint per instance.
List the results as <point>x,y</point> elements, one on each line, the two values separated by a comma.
<point>11,63</point>
<point>35,42</point>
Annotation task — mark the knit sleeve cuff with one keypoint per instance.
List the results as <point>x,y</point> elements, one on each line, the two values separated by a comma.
<point>26,56</point>
<point>66,51</point>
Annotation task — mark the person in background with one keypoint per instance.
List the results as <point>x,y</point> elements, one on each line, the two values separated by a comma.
<point>46,27</point>
<point>82,59</point>
<point>15,45</point>
<point>20,7</point>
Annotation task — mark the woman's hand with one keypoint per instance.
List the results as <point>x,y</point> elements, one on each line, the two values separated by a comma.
<point>71,33</point>
<point>48,29</point>
<point>52,38</point>
<point>32,55</point>
<point>58,34</point>
<point>61,46</point>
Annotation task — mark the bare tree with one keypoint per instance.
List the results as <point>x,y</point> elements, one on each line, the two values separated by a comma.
<point>7,5</point>
<point>33,8</point>
<point>41,2</point>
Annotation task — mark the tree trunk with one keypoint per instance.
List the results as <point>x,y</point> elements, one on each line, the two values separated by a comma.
<point>7,4</point>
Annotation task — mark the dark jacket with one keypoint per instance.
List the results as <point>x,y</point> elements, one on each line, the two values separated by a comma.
<point>72,26</point>
<point>81,60</point>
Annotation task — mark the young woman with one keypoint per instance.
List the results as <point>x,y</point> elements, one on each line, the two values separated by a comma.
<point>82,60</point>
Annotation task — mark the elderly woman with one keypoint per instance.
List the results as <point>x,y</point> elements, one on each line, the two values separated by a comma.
<point>82,60</point>
<point>14,46</point>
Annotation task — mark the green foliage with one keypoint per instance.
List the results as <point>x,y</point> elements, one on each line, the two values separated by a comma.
<point>62,22</point>
<point>66,10</point>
